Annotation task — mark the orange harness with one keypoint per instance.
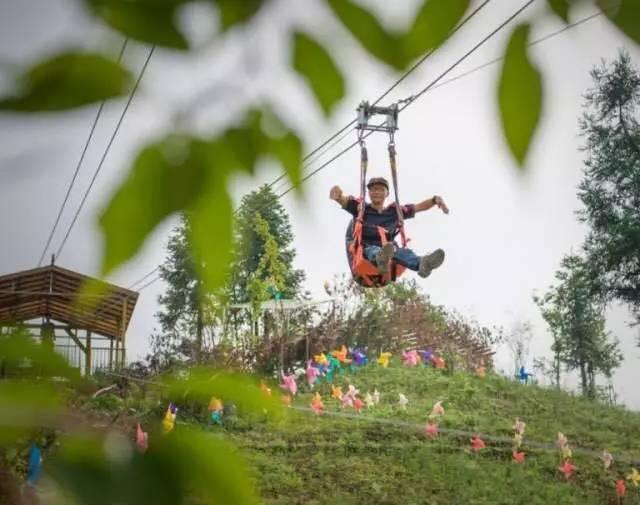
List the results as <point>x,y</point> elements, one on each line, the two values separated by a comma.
<point>364,272</point>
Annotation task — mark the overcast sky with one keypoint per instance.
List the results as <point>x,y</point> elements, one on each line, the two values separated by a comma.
<point>506,233</point>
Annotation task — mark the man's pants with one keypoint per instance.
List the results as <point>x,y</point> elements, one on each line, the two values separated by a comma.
<point>403,256</point>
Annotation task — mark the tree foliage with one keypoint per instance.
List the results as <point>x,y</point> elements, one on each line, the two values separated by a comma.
<point>610,190</point>
<point>575,316</point>
<point>263,247</point>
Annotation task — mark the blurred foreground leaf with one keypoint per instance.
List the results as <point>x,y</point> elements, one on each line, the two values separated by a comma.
<point>67,81</point>
<point>561,8</point>
<point>432,25</point>
<point>519,94</point>
<point>26,405</point>
<point>314,63</point>
<point>187,466</point>
<point>21,356</point>
<point>625,14</point>
<point>152,21</point>
<point>191,175</point>
<point>233,12</point>
<point>203,383</point>
<point>367,30</point>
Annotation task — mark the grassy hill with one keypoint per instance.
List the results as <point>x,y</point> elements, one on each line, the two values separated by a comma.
<point>382,455</point>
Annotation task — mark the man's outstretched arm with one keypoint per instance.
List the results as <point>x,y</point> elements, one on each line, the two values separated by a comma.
<point>432,202</point>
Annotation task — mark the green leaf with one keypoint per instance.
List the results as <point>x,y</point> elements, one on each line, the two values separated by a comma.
<point>288,150</point>
<point>385,46</point>
<point>519,94</point>
<point>25,405</point>
<point>191,175</point>
<point>625,14</point>
<point>315,64</point>
<point>233,12</point>
<point>23,357</point>
<point>432,25</point>
<point>67,81</point>
<point>211,235</point>
<point>561,8</point>
<point>165,178</point>
<point>152,21</point>
<point>184,467</point>
<point>203,383</point>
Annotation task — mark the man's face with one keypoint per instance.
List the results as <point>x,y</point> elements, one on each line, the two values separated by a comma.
<point>377,193</point>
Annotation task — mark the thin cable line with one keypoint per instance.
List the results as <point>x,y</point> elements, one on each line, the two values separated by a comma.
<point>106,151</point>
<point>79,164</point>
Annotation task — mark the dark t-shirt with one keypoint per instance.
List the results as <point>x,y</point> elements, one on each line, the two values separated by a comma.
<point>387,218</point>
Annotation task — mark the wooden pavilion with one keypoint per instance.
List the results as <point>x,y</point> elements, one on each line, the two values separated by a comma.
<point>89,329</point>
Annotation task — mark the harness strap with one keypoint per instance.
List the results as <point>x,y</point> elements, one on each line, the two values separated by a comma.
<point>394,178</point>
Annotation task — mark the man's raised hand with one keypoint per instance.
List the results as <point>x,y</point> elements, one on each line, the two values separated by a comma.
<point>441,205</point>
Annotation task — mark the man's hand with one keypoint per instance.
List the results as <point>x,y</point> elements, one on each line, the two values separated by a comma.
<point>439,201</point>
<point>336,194</point>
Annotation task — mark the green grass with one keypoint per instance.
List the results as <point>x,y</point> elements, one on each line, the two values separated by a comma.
<point>337,460</point>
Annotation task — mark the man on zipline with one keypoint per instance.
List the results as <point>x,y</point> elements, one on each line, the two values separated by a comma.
<point>377,216</point>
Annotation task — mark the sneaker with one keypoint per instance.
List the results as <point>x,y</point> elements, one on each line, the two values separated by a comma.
<point>383,257</point>
<point>430,262</point>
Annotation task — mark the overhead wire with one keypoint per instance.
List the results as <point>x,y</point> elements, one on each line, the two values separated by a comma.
<point>106,151</point>
<point>78,165</point>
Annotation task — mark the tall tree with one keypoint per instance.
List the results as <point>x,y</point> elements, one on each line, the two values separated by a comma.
<point>184,308</point>
<point>251,245</point>
<point>610,190</point>
<point>575,316</point>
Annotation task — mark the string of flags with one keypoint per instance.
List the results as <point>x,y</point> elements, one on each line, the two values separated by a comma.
<point>325,366</point>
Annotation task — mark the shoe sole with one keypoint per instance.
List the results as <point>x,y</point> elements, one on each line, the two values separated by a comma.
<point>431,262</point>
<point>385,254</point>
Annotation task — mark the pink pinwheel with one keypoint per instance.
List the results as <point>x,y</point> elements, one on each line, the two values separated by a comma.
<point>431,430</point>
<point>567,469</point>
<point>289,383</point>
<point>312,373</point>
<point>142,439</point>
<point>518,457</point>
<point>477,444</point>
<point>347,400</point>
<point>411,358</point>
<point>621,488</point>
<point>353,391</point>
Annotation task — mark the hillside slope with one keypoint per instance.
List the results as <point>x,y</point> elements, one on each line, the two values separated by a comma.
<point>383,456</point>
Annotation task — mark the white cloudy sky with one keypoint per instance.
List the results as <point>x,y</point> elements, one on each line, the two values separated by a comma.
<point>506,232</point>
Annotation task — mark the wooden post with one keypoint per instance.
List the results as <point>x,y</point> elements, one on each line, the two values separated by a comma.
<point>110,354</point>
<point>123,331</point>
<point>87,355</point>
